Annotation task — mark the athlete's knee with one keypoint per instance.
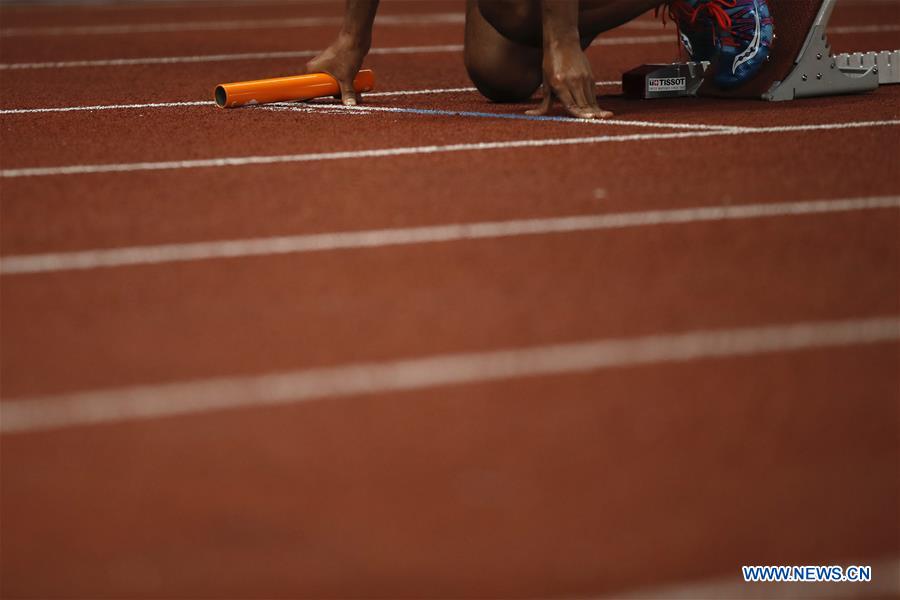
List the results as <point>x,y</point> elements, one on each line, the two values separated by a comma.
<point>502,69</point>
<point>500,79</point>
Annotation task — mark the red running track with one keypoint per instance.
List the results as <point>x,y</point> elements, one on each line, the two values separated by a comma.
<point>621,478</point>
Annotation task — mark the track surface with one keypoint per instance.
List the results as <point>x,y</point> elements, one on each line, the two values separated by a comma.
<point>752,444</point>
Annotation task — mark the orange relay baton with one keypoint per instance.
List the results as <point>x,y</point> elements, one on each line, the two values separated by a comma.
<point>282,89</point>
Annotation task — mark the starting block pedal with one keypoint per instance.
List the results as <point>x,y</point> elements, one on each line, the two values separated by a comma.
<point>814,72</point>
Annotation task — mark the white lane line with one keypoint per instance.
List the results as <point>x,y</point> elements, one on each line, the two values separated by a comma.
<point>378,238</point>
<point>387,94</point>
<point>349,154</point>
<point>442,91</point>
<point>210,395</point>
<point>364,109</point>
<point>167,5</point>
<point>864,28</point>
<point>634,40</point>
<point>287,23</point>
<point>63,109</point>
<point>655,24</point>
<point>166,60</point>
<point>292,23</point>
<point>237,161</point>
<point>204,58</point>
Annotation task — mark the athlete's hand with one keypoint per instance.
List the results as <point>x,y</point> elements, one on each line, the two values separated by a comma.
<point>342,60</point>
<point>568,77</point>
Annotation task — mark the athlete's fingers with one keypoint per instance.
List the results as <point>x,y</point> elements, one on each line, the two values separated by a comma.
<point>348,95</point>
<point>590,90</point>
<point>592,113</point>
<point>581,99</point>
<point>587,107</point>
<point>587,100</point>
<point>542,109</point>
<point>545,105</point>
<point>584,112</point>
<point>565,96</point>
<point>595,113</point>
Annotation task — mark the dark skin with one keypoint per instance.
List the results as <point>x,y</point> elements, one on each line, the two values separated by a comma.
<point>344,57</point>
<point>567,73</point>
<point>512,47</point>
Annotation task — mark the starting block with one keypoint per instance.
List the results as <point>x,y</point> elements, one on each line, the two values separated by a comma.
<point>814,72</point>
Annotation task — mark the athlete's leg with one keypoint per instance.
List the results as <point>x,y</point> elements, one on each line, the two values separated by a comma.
<point>503,51</point>
<point>502,69</point>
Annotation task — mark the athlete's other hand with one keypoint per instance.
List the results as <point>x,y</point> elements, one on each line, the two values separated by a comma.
<point>342,60</point>
<point>568,77</point>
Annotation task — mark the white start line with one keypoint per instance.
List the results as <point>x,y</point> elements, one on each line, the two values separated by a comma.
<point>210,103</point>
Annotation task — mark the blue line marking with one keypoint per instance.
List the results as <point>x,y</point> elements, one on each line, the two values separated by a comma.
<point>363,109</point>
<point>447,113</point>
<point>486,115</point>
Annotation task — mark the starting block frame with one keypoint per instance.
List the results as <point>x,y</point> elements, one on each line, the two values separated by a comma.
<point>816,72</point>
